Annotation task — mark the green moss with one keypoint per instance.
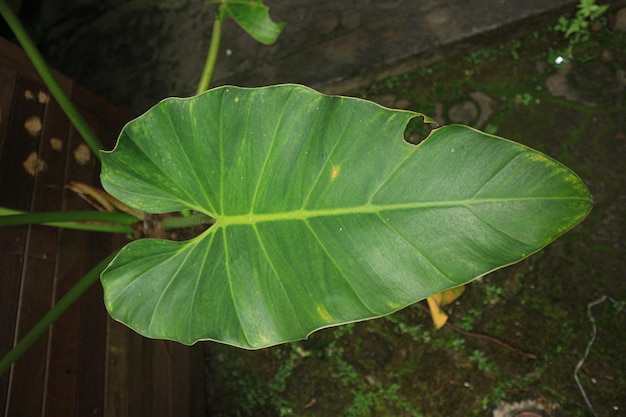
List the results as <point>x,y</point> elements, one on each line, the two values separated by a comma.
<point>400,365</point>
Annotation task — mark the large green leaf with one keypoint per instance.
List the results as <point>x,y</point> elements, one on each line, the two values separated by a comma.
<point>325,215</point>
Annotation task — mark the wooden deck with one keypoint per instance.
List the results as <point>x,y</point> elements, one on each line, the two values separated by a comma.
<point>86,364</point>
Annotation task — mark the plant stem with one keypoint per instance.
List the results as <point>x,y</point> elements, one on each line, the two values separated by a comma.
<point>51,82</point>
<point>186,221</point>
<point>58,309</point>
<point>209,66</point>
<point>117,222</point>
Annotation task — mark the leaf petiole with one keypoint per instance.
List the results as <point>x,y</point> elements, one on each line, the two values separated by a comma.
<point>117,222</point>
<point>209,66</point>
<point>186,221</point>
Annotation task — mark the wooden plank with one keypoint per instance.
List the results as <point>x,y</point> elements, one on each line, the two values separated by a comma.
<point>87,364</point>
<point>118,388</point>
<point>142,379</point>
<point>12,241</point>
<point>12,58</point>
<point>40,266</point>
<point>77,340</point>
<point>16,187</point>
<point>7,87</point>
<point>55,378</point>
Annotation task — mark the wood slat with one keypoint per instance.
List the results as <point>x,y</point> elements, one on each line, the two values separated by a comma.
<point>86,364</point>
<point>20,299</point>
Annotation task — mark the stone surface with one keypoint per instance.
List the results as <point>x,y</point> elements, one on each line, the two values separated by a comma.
<point>464,112</point>
<point>620,21</point>
<point>136,52</point>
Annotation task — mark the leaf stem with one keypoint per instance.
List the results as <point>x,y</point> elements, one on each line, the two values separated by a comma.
<point>117,222</point>
<point>59,308</point>
<point>51,82</point>
<point>186,221</point>
<point>209,66</point>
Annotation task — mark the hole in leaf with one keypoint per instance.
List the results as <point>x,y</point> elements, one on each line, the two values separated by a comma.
<point>417,130</point>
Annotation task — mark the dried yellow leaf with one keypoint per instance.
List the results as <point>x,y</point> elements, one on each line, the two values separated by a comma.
<point>439,300</point>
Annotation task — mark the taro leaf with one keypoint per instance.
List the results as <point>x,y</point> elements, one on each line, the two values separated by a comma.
<point>324,214</point>
<point>253,17</point>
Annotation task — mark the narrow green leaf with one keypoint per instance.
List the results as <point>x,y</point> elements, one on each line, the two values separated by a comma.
<point>324,214</point>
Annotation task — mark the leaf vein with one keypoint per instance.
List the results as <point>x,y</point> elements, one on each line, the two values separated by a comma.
<point>334,261</point>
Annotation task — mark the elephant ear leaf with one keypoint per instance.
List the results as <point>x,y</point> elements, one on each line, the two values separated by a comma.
<point>323,213</point>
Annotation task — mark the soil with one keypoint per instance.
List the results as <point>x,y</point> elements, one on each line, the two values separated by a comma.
<point>539,314</point>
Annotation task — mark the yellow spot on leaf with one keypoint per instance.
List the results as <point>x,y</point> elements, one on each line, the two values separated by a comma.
<point>236,99</point>
<point>334,172</point>
<point>537,157</point>
<point>324,314</point>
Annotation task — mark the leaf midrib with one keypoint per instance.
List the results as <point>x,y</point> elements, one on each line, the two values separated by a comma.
<point>301,214</point>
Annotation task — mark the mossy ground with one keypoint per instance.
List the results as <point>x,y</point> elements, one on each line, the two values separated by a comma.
<point>399,365</point>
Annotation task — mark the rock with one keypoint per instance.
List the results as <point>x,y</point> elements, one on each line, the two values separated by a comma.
<point>403,103</point>
<point>620,21</point>
<point>325,22</point>
<point>528,408</point>
<point>485,105</point>
<point>464,112</point>
<point>387,100</point>
<point>558,86</point>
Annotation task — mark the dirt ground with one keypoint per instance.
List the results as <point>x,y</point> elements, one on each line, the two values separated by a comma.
<point>520,334</point>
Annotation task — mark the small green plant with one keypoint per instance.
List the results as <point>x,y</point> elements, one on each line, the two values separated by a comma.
<point>524,99</point>
<point>482,362</point>
<point>577,29</point>
<point>502,388</point>
<point>491,128</point>
<point>415,331</point>
<point>515,47</point>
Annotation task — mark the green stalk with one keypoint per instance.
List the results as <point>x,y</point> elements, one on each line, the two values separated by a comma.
<point>209,66</point>
<point>51,82</point>
<point>96,221</point>
<point>186,221</point>
<point>58,309</point>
